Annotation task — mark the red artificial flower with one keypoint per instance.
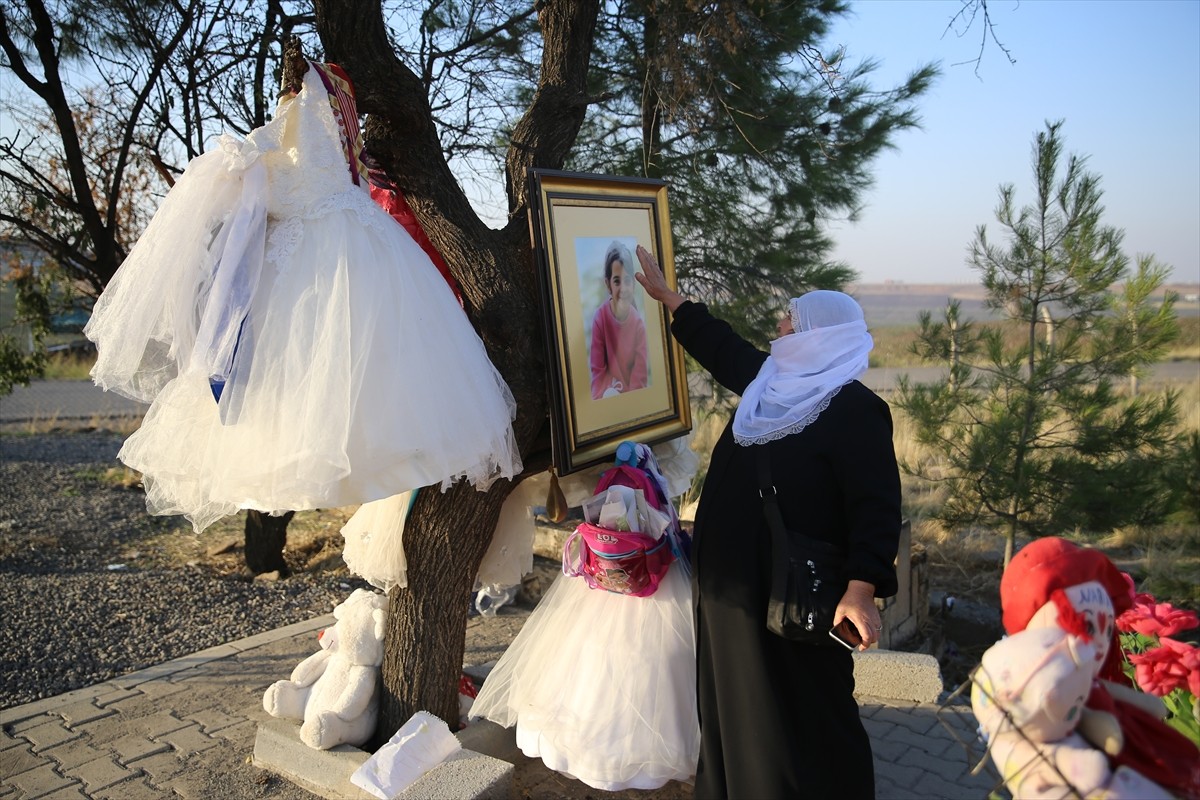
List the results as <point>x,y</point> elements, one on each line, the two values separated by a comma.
<point>1151,618</point>
<point>1170,666</point>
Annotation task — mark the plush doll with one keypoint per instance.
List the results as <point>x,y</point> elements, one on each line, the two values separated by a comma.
<point>334,690</point>
<point>1055,727</point>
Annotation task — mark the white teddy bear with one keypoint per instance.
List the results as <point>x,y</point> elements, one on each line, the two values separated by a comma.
<point>335,689</point>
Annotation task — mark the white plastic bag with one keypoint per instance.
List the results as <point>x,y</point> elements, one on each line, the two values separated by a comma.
<point>420,745</point>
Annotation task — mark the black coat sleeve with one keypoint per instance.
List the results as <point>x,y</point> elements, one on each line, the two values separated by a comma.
<point>866,470</point>
<point>730,359</point>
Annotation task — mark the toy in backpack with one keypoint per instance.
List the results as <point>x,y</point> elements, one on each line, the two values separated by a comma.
<point>632,534</point>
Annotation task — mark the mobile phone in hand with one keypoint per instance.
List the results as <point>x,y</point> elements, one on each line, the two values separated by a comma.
<point>838,634</point>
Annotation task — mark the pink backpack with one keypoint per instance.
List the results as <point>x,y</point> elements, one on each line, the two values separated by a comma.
<point>623,562</point>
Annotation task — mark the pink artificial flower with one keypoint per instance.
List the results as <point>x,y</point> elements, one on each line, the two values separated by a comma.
<point>1170,666</point>
<point>1151,618</point>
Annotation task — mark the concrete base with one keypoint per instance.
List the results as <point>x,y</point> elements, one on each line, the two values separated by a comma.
<point>894,675</point>
<point>277,747</point>
<point>467,775</point>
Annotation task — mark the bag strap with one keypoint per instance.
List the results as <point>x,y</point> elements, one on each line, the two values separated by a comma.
<point>777,602</point>
<point>572,563</point>
<point>766,490</point>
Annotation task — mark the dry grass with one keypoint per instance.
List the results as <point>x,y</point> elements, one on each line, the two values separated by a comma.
<point>892,342</point>
<point>314,544</point>
<point>1187,346</point>
<point>69,366</point>
<point>1164,560</point>
<point>965,564</point>
<point>52,423</point>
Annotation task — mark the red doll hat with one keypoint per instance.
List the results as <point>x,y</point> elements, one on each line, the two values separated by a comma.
<point>1050,563</point>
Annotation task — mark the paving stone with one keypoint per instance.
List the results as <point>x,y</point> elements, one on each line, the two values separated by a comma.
<point>241,734</point>
<point>885,790</point>
<point>49,734</point>
<point>136,705</point>
<point>156,690</point>
<point>886,750</point>
<point>115,694</point>
<point>102,773</point>
<point>8,742</point>
<point>212,720</point>
<point>41,781</point>
<point>187,741</point>
<point>132,789</point>
<point>917,720</point>
<point>950,769</point>
<point>931,785</point>
<point>19,727</point>
<point>73,792</point>
<point>161,767</point>
<point>928,744</point>
<point>900,774</point>
<point>159,725</point>
<point>867,710</point>
<point>83,712</point>
<point>878,729</point>
<point>104,730</point>
<point>135,747</point>
<point>72,754</point>
<point>16,760</point>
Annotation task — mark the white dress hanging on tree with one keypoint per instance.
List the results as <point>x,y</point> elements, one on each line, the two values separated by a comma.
<point>345,369</point>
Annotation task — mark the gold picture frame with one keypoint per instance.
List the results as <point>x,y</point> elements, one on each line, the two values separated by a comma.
<point>585,229</point>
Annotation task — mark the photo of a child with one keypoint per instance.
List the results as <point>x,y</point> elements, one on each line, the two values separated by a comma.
<point>617,355</point>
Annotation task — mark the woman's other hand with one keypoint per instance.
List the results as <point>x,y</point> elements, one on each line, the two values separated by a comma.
<point>858,606</point>
<point>654,282</point>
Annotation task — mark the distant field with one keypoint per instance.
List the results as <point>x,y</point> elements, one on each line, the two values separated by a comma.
<point>887,304</point>
<point>892,313</point>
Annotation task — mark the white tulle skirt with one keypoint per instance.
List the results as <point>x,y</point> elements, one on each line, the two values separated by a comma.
<point>357,376</point>
<point>602,687</point>
<point>374,542</point>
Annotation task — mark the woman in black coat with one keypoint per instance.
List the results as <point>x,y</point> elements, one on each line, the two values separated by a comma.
<point>778,718</point>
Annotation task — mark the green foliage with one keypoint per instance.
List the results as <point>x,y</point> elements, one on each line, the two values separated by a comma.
<point>19,364</point>
<point>1032,434</point>
<point>760,136</point>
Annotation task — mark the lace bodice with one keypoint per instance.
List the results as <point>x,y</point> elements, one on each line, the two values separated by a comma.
<point>307,172</point>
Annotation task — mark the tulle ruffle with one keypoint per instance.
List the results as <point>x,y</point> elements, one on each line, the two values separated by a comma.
<point>601,686</point>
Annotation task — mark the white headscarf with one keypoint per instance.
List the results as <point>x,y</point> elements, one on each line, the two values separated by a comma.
<point>805,369</point>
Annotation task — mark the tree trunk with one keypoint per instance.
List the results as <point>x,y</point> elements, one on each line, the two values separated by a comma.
<point>447,534</point>
<point>444,541</point>
<point>266,536</point>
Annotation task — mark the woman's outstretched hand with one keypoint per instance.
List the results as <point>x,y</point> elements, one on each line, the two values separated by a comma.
<point>652,280</point>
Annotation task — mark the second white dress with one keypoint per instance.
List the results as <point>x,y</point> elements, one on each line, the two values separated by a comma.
<point>602,686</point>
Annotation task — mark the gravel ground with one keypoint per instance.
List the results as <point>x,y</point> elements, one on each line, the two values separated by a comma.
<point>90,587</point>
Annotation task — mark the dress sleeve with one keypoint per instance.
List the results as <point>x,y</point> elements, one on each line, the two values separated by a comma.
<point>730,359</point>
<point>866,467</point>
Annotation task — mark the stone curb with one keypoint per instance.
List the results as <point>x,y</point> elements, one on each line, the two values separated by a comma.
<point>132,680</point>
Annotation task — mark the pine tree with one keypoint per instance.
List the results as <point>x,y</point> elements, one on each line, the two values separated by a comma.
<point>1035,436</point>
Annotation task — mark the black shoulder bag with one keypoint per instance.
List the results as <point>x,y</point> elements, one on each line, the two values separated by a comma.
<point>807,574</point>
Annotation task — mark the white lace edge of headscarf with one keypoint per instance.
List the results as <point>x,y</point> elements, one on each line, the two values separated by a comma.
<point>795,427</point>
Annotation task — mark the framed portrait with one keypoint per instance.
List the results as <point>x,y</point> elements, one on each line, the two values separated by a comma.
<point>615,371</point>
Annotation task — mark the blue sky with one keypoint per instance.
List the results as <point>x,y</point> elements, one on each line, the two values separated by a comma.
<point>1125,77</point>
